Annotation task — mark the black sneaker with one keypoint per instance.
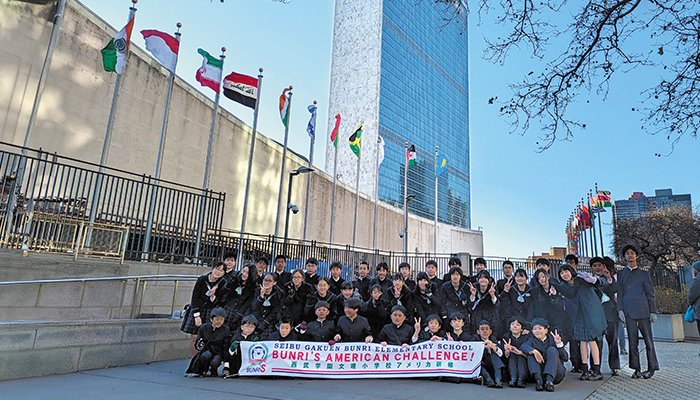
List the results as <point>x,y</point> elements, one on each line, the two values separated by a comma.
<point>595,376</point>
<point>576,370</point>
<point>549,386</point>
<point>615,372</point>
<point>539,386</point>
<point>584,376</point>
<point>647,374</point>
<point>512,383</point>
<point>636,374</point>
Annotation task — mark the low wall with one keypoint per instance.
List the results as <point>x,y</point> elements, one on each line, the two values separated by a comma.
<point>31,349</point>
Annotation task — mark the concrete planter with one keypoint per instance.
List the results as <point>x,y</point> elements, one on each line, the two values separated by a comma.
<point>669,328</point>
<point>691,331</point>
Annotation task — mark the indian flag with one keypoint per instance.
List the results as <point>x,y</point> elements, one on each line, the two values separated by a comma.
<point>209,74</point>
<point>411,156</point>
<point>284,106</point>
<point>114,54</point>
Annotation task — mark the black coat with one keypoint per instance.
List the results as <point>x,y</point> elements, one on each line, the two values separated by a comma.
<point>377,314</point>
<point>405,299</point>
<point>542,345</point>
<point>312,299</point>
<point>581,298</point>
<point>455,300</point>
<point>551,308</point>
<point>353,331</point>
<point>483,308</point>
<point>635,294</point>
<point>427,303</point>
<point>391,334</point>
<point>425,334</point>
<point>216,341</point>
<point>282,278</point>
<point>362,287</point>
<point>200,299</point>
<point>236,295</point>
<point>335,285</point>
<point>606,294</point>
<point>437,281</point>
<point>520,304</point>
<point>385,284</point>
<point>267,310</point>
<point>338,307</point>
<point>311,280</point>
<point>320,331</point>
<point>294,301</point>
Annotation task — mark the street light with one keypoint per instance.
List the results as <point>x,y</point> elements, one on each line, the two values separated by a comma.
<point>290,206</point>
<point>404,232</point>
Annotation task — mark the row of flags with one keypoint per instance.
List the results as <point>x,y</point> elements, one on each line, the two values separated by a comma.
<point>583,218</point>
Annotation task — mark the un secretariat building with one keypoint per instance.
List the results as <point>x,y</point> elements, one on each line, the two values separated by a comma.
<point>402,71</point>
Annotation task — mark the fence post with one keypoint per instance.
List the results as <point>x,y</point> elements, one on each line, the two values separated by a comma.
<point>76,239</point>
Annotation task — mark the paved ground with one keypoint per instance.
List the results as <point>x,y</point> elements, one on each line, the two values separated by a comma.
<point>678,379</point>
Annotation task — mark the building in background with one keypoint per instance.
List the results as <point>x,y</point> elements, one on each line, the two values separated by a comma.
<point>638,203</point>
<point>402,71</point>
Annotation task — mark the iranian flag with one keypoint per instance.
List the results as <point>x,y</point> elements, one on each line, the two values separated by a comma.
<point>411,156</point>
<point>209,74</point>
<point>163,47</point>
<point>241,89</point>
<point>284,106</point>
<point>334,133</point>
<point>114,54</point>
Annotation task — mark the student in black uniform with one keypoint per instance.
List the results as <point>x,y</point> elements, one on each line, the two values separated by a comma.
<point>517,360</point>
<point>336,281</point>
<point>479,265</point>
<point>397,332</point>
<point>211,343</point>
<point>284,332</point>
<point>491,363</point>
<point>399,295</point>
<point>432,331</point>
<point>507,275</point>
<point>248,333</point>
<point>455,294</point>
<point>353,327</point>
<point>297,293</point>
<point>282,276</point>
<point>346,291</point>
<point>261,265</point>
<point>405,270</point>
<point>549,304</point>
<point>382,279</point>
<point>203,300</point>
<point>458,333</point>
<point>546,356</point>
<point>602,269</point>
<point>431,269</point>
<point>321,294</point>
<point>267,304</point>
<point>310,276</point>
<point>361,284</point>
<point>230,262</point>
<point>483,303</point>
<point>236,295</point>
<point>376,310</point>
<point>323,329</point>
<point>427,298</point>
<point>517,298</point>
<point>454,262</point>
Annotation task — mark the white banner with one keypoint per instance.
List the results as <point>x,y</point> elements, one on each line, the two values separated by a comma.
<point>361,360</point>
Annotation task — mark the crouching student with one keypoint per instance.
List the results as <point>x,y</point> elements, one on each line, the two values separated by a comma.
<point>458,334</point>
<point>491,363</point>
<point>245,333</point>
<point>546,356</point>
<point>212,339</point>
<point>397,333</point>
<point>284,332</point>
<point>433,331</point>
<point>517,360</point>
<point>351,326</point>
<point>322,329</point>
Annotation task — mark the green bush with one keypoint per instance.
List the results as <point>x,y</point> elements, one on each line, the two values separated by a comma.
<point>669,301</point>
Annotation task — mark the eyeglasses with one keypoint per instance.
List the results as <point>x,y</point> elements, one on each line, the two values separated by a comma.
<point>268,280</point>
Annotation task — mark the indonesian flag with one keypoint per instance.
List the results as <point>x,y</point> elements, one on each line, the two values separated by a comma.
<point>411,156</point>
<point>334,133</point>
<point>114,54</point>
<point>241,89</point>
<point>163,47</point>
<point>209,74</point>
<point>284,107</point>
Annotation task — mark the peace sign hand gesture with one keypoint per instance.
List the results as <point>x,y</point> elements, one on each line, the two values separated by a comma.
<point>557,337</point>
<point>508,284</point>
<point>472,289</point>
<point>492,290</point>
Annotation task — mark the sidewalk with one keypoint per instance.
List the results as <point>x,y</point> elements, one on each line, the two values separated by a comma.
<point>678,379</point>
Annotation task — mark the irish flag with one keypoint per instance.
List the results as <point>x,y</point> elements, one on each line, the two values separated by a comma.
<point>284,106</point>
<point>411,156</point>
<point>114,54</point>
<point>334,133</point>
<point>163,47</point>
<point>209,74</point>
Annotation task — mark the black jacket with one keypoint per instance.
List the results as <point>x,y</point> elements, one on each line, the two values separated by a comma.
<point>236,295</point>
<point>517,303</point>
<point>338,307</point>
<point>377,314</point>
<point>353,331</point>
<point>436,281</point>
<point>312,299</point>
<point>215,341</point>
<point>362,286</point>
<point>551,308</point>
<point>425,335</point>
<point>405,299</point>
<point>311,280</point>
<point>532,343</point>
<point>320,331</point>
<point>200,299</point>
<point>335,285</point>
<point>391,334</point>
<point>294,301</point>
<point>267,310</point>
<point>455,300</point>
<point>385,284</point>
<point>427,303</point>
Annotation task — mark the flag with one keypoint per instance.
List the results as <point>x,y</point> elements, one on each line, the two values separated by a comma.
<point>585,217</point>
<point>209,74</point>
<point>163,47</point>
<point>284,107</point>
<point>241,89</point>
<point>440,165</point>
<point>411,156</point>
<point>603,198</point>
<point>355,140</point>
<point>334,133</point>
<point>380,150</point>
<point>597,209</point>
<point>594,201</point>
<point>114,54</point>
<point>311,126</point>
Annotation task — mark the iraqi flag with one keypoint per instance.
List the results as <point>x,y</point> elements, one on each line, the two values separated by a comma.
<point>209,74</point>
<point>163,47</point>
<point>114,54</point>
<point>241,89</point>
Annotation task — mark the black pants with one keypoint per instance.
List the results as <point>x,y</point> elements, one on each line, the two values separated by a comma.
<point>575,353</point>
<point>517,368</point>
<point>491,366</point>
<point>552,366</point>
<point>209,361</point>
<point>634,328</point>
<point>610,334</point>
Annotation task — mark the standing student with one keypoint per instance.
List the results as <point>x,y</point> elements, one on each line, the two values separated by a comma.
<point>549,305</point>
<point>405,270</point>
<point>507,275</point>
<point>606,294</point>
<point>267,304</point>
<point>376,310</point>
<point>281,275</point>
<point>381,279</point>
<point>346,291</point>
<point>361,284</point>
<point>203,300</point>
<point>543,263</point>
<point>479,265</point>
<point>694,293</point>
<point>586,314</point>
<point>213,340</point>
<point>484,304</point>
<point>427,299</point>
<point>296,294</point>
<point>237,295</point>
<point>261,264</point>
<point>455,295</point>
<point>335,280</point>
<point>517,360</point>
<point>431,268</point>
<point>576,362</point>
<point>310,276</point>
<point>353,327</point>
<point>637,307</point>
<point>546,356</point>
<point>321,294</point>
<point>398,294</point>
<point>451,263</point>
<point>517,297</point>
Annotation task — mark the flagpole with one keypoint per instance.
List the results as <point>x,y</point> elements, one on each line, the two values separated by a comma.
<point>405,211</point>
<point>600,226</point>
<point>284,159</point>
<point>357,197</point>
<point>435,236</point>
<point>308,180</point>
<point>376,193</point>
<point>207,167</point>
<point>159,158</point>
<point>335,178</point>
<point>250,169</point>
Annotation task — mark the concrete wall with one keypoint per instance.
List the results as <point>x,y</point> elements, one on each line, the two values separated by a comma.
<point>38,349</point>
<point>73,117</point>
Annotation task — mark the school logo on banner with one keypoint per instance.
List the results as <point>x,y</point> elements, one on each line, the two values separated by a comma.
<point>257,354</point>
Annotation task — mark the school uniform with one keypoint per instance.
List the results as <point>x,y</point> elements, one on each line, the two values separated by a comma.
<point>551,308</point>
<point>294,302</point>
<point>427,303</point>
<point>518,303</point>
<point>267,310</point>
<point>463,336</point>
<point>455,301</point>
<point>484,308</point>
<point>491,363</point>
<point>396,335</point>
<point>384,283</point>
<point>282,278</point>
<point>201,303</point>
<point>410,283</point>
<point>236,298</point>
<point>362,286</point>
<point>317,331</point>
<point>437,281</point>
<point>377,314</point>
<point>425,335</point>
<point>405,299</point>
<point>311,279</point>
<point>335,285</point>
<point>584,309</point>
<point>353,330</point>
<point>315,297</point>
<point>233,355</point>
<point>291,337</point>
<point>338,307</point>
<point>607,298</point>
<point>554,358</point>
<point>517,364</point>
<point>214,343</point>
<point>501,284</point>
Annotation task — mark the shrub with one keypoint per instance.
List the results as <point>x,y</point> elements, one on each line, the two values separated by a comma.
<point>669,301</point>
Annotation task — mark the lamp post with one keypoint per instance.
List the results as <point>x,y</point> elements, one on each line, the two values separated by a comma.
<point>290,206</point>
<point>405,227</point>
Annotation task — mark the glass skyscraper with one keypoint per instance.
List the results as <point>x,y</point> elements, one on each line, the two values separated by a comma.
<point>400,68</point>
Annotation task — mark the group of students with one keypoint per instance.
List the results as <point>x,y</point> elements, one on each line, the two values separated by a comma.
<point>524,323</point>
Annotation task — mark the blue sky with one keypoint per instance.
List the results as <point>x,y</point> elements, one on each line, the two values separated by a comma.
<point>520,198</point>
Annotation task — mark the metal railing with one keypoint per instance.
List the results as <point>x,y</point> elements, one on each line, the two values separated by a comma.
<point>137,296</point>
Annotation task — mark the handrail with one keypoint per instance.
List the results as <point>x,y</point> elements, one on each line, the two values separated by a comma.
<point>165,277</point>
